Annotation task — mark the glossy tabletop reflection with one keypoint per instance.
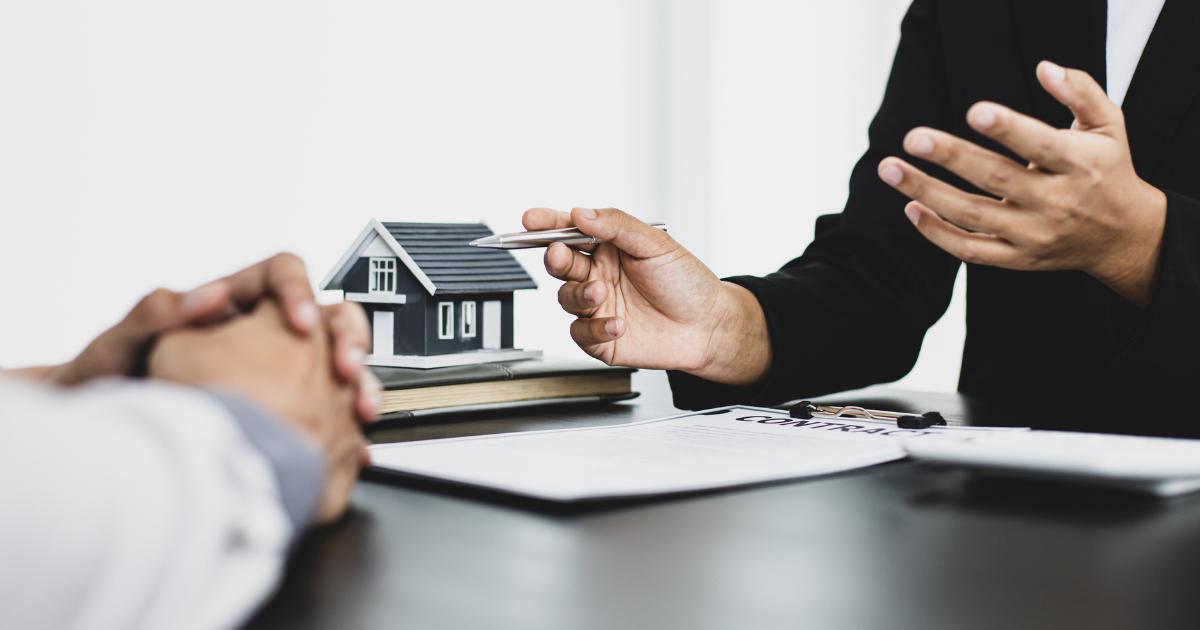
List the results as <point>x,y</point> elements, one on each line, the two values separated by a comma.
<point>896,546</point>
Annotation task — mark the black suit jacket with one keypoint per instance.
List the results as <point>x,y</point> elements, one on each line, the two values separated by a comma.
<point>853,310</point>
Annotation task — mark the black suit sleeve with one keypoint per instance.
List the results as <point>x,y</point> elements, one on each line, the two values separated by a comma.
<point>1165,343</point>
<point>853,310</point>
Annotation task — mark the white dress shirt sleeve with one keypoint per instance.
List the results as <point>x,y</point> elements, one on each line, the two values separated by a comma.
<point>130,505</point>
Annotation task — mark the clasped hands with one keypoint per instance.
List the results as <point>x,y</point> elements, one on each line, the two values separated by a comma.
<point>1077,205</point>
<point>258,333</point>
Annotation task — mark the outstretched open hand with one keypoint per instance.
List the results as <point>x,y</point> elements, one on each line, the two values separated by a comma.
<point>1078,204</point>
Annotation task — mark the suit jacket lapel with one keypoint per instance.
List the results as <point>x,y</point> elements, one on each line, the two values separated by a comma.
<point>1071,33</point>
<point>1165,84</point>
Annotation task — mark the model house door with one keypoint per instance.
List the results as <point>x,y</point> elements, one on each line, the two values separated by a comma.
<point>383,327</point>
<point>491,324</point>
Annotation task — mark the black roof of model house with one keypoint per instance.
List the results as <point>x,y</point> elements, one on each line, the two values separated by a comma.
<point>439,256</point>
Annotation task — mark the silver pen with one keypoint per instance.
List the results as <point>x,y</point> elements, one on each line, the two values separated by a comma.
<point>542,238</point>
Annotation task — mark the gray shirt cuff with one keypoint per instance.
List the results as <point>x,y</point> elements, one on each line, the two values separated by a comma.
<point>298,467</point>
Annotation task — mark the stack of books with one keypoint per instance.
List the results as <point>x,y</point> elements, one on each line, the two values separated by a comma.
<point>411,393</point>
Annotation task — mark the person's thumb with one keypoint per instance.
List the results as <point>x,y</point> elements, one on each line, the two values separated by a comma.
<point>624,231</point>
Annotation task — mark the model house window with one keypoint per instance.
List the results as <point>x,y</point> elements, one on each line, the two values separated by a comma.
<point>468,317</point>
<point>383,275</point>
<point>445,320</point>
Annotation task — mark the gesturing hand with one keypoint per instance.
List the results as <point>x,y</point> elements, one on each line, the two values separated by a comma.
<point>122,349</point>
<point>642,300</point>
<point>289,374</point>
<point>1078,204</point>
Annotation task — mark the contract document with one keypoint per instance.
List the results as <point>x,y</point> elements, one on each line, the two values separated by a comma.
<point>717,448</point>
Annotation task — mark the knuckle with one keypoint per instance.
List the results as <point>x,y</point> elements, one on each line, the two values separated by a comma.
<point>568,297</point>
<point>1002,127</point>
<point>579,332</point>
<point>970,216</point>
<point>1042,240</point>
<point>1033,259</point>
<point>154,307</point>
<point>997,180</point>
<point>1062,204</point>
<point>1072,213</point>
<point>1042,149</point>
<point>969,253</point>
<point>948,150</point>
<point>913,185</point>
<point>157,296</point>
<point>621,221</point>
<point>286,260</point>
<point>350,314</point>
<point>529,217</point>
<point>286,257</point>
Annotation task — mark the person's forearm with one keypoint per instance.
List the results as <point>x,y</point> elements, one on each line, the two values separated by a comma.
<point>164,506</point>
<point>739,350</point>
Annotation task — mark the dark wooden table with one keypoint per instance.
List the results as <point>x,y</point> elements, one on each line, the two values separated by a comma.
<point>902,545</point>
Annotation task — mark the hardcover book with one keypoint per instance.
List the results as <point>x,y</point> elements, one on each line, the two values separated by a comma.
<point>414,392</point>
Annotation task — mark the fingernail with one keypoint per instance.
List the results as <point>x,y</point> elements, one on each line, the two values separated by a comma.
<point>983,117</point>
<point>353,355</point>
<point>588,213</point>
<point>912,213</point>
<point>891,174</point>
<point>307,315</point>
<point>611,328</point>
<point>202,298</point>
<point>1055,72</point>
<point>587,295</point>
<point>921,144</point>
<point>374,400</point>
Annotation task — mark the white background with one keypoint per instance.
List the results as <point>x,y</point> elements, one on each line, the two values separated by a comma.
<point>152,143</point>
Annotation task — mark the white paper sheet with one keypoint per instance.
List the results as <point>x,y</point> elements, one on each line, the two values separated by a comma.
<point>719,448</point>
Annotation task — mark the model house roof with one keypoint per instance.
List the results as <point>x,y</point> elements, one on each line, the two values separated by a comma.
<point>439,256</point>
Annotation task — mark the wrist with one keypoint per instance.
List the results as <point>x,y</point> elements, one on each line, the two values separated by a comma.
<point>739,348</point>
<point>1130,268</point>
<point>294,457</point>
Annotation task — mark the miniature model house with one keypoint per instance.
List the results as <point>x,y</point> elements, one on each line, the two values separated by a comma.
<point>432,300</point>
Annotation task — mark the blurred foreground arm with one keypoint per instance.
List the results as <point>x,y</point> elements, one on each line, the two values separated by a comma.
<point>143,504</point>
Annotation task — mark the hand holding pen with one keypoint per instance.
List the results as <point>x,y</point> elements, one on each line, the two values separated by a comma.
<point>643,300</point>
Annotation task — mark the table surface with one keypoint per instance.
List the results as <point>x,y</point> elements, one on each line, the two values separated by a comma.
<point>902,545</point>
